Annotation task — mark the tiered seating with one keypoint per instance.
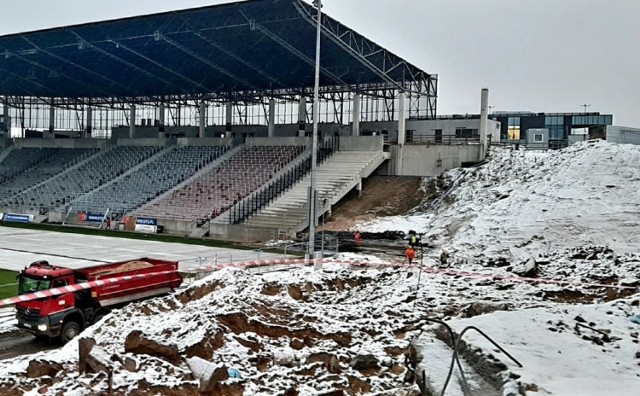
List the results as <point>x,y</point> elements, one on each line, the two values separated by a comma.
<point>150,180</point>
<point>18,161</point>
<point>54,161</point>
<point>99,170</point>
<point>216,191</point>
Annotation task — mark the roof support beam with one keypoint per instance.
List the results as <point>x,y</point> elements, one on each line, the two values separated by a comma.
<point>237,58</point>
<point>295,51</point>
<point>334,34</point>
<point>336,38</point>
<point>51,71</point>
<point>207,62</point>
<point>124,62</point>
<point>70,63</point>
<point>30,81</point>
<point>161,66</point>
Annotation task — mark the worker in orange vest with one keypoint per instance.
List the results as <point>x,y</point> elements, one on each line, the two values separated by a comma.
<point>358,238</point>
<point>411,253</point>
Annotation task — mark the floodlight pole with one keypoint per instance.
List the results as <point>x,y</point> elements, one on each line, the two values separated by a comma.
<point>314,145</point>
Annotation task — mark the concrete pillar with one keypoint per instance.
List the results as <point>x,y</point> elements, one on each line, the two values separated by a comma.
<point>229,117</point>
<point>132,121</point>
<point>5,114</point>
<point>89,127</point>
<point>203,119</point>
<point>302,116</point>
<point>398,171</point>
<point>52,119</point>
<point>355,129</point>
<point>272,118</point>
<point>402,119</point>
<point>161,116</point>
<point>484,122</point>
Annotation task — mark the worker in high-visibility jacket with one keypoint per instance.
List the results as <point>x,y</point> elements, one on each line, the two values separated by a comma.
<point>411,254</point>
<point>358,238</point>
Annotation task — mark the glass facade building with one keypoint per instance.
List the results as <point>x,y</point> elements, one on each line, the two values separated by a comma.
<point>514,125</point>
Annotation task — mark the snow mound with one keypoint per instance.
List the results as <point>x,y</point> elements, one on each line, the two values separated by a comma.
<point>521,203</point>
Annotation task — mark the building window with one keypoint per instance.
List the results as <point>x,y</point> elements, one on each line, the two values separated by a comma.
<point>513,128</point>
<point>438,133</point>
<point>555,124</point>
<point>409,136</point>
<point>538,138</point>
<point>462,133</point>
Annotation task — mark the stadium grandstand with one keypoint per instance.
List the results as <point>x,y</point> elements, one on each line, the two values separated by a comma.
<point>200,119</point>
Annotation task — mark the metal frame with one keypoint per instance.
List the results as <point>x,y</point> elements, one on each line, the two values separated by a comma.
<point>378,99</point>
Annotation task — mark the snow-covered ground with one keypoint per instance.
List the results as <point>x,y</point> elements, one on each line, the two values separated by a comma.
<point>523,203</point>
<point>544,262</point>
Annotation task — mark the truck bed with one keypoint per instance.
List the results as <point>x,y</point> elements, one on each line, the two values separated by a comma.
<point>124,268</point>
<point>161,277</point>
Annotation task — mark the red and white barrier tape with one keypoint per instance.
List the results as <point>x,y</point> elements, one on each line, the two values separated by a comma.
<point>80,286</point>
<point>432,270</point>
<point>263,263</point>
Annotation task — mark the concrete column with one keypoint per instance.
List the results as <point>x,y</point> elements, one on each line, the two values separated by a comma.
<point>52,119</point>
<point>272,118</point>
<point>161,116</point>
<point>229,117</point>
<point>89,127</point>
<point>402,118</point>
<point>484,122</point>
<point>203,119</point>
<point>302,116</point>
<point>355,130</point>
<point>5,115</point>
<point>132,121</point>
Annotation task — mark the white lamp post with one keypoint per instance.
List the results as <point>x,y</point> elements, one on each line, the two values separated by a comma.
<point>314,147</point>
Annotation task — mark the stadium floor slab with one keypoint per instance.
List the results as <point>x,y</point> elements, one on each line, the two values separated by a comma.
<point>20,247</point>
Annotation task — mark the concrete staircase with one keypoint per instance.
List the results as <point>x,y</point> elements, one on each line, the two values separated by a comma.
<point>336,177</point>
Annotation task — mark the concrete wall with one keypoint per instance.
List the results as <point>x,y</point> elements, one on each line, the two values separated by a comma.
<point>240,233</point>
<point>61,143</point>
<point>205,141</point>
<point>154,132</point>
<point>428,127</point>
<point>620,134</point>
<point>531,137</point>
<point>144,142</point>
<point>361,143</point>
<point>279,141</point>
<point>573,139</point>
<point>423,160</point>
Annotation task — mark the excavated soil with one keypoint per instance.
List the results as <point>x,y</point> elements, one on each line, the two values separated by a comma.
<point>381,196</point>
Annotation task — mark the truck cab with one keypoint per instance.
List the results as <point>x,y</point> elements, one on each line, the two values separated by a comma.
<point>44,316</point>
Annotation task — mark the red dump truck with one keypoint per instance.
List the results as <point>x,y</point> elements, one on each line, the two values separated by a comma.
<point>64,316</point>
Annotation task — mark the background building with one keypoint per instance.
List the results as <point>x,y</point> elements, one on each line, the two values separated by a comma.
<point>514,125</point>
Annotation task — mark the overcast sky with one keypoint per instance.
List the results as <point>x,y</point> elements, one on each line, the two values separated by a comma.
<point>533,55</point>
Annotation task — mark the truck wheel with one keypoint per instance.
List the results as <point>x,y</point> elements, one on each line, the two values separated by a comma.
<point>70,330</point>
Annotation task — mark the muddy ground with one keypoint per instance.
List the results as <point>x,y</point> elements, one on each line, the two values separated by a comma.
<point>381,196</point>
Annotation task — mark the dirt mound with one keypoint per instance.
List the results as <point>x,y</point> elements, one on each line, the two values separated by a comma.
<point>381,196</point>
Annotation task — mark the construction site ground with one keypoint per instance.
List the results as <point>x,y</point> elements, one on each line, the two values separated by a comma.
<point>381,196</point>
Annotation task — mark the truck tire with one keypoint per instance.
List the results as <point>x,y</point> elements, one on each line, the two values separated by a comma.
<point>70,330</point>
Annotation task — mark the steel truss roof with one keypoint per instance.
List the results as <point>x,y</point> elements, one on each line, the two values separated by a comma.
<point>236,50</point>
